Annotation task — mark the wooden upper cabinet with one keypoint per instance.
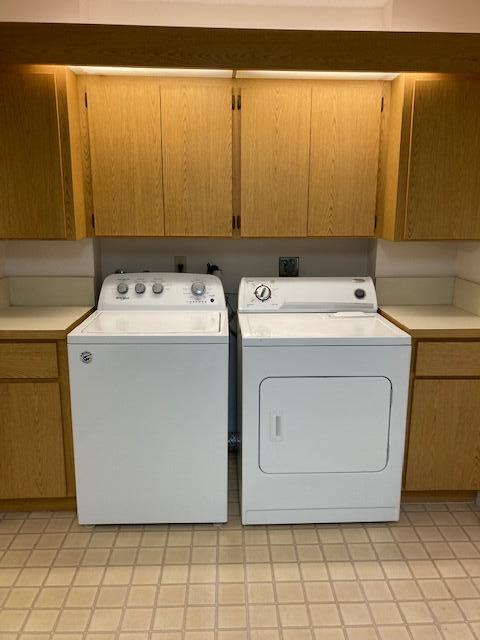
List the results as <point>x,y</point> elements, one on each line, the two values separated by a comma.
<point>41,183</point>
<point>275,149</point>
<point>443,198</point>
<point>125,156</point>
<point>344,157</point>
<point>433,191</point>
<point>197,158</point>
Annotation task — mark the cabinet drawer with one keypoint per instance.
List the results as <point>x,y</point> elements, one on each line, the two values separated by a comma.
<point>448,359</point>
<point>28,360</point>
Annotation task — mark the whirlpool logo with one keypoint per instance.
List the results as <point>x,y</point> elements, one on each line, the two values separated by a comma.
<point>86,357</point>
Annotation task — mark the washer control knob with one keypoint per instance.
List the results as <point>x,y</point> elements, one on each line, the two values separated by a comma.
<point>360,293</point>
<point>198,288</point>
<point>122,288</point>
<point>263,293</point>
<point>139,287</point>
<point>157,287</point>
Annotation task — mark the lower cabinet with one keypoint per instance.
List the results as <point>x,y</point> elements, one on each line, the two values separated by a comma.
<point>444,442</point>
<point>36,451</point>
<point>32,461</point>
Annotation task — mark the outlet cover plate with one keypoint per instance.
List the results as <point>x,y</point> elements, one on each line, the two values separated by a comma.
<point>288,266</point>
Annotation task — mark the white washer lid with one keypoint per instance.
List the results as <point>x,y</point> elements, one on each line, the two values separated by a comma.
<point>275,329</point>
<point>152,326</point>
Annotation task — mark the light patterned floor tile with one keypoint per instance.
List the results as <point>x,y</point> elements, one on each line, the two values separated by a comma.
<point>418,579</point>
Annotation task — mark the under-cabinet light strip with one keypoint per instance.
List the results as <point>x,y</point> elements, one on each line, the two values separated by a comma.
<point>230,73</point>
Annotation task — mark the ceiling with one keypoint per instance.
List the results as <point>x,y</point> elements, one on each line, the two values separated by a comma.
<point>343,15</point>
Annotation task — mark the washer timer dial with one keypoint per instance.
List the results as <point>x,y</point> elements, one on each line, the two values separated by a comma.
<point>263,293</point>
<point>198,288</point>
<point>122,288</point>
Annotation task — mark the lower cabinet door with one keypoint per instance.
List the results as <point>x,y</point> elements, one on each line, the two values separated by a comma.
<point>31,441</point>
<point>444,439</point>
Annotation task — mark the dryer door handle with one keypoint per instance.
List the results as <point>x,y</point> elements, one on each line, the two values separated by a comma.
<point>276,431</point>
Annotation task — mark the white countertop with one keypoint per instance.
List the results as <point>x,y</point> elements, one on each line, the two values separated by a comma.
<point>54,321</point>
<point>437,319</point>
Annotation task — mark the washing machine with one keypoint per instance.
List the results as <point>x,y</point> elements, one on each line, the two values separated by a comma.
<point>323,388</point>
<point>149,393</point>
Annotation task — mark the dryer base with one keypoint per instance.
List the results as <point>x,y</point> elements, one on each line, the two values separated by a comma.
<point>308,516</point>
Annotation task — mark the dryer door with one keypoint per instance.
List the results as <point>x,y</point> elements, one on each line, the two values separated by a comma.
<point>324,424</point>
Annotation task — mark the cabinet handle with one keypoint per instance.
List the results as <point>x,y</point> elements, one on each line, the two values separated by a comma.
<point>238,222</point>
<point>233,222</point>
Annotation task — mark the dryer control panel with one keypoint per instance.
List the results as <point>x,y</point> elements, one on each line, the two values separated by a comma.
<point>303,295</point>
<point>160,291</point>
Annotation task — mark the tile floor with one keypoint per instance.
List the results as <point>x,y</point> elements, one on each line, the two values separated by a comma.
<point>418,579</point>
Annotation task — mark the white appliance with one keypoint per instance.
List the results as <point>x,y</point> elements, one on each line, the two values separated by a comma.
<point>149,389</point>
<point>323,380</point>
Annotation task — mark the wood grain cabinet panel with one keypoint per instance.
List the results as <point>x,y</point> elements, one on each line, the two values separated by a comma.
<point>31,443</point>
<point>432,187</point>
<point>197,158</point>
<point>443,199</point>
<point>28,360</point>
<point>41,191</point>
<point>126,157</point>
<point>344,158</point>
<point>444,436</point>
<point>451,359</point>
<point>275,149</point>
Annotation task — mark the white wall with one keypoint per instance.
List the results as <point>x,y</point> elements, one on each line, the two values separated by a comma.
<point>468,261</point>
<point>280,14</point>
<point>318,257</point>
<point>460,259</point>
<point>416,258</point>
<point>435,15</point>
<point>237,258</point>
<point>396,15</point>
<point>47,258</point>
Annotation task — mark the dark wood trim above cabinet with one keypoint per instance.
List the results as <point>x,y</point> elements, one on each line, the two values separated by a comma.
<point>155,46</point>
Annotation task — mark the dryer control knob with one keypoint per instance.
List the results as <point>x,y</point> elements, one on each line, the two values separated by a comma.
<point>139,287</point>
<point>198,288</point>
<point>157,287</point>
<point>360,293</point>
<point>122,287</point>
<point>263,293</point>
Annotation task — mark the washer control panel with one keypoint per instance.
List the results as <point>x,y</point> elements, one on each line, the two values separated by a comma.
<point>303,295</point>
<point>161,291</point>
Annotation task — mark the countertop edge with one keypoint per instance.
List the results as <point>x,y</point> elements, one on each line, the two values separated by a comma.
<point>432,333</point>
<point>43,334</point>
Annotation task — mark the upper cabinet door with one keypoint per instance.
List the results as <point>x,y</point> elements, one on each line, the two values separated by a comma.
<point>344,158</point>
<point>125,156</point>
<point>443,190</point>
<point>197,158</point>
<point>41,191</point>
<point>275,149</point>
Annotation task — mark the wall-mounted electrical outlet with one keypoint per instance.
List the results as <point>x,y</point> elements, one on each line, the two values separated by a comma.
<point>288,267</point>
<point>180,264</point>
